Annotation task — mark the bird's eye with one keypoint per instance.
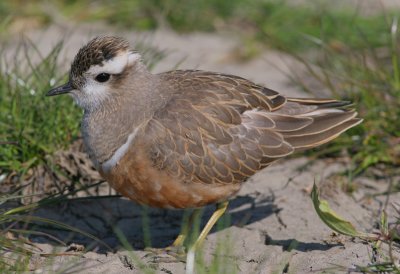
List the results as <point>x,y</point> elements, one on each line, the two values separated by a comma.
<point>102,77</point>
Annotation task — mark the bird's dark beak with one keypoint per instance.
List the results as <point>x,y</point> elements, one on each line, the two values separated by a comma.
<point>60,90</point>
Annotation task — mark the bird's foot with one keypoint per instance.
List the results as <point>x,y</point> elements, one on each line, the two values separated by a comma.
<point>170,254</point>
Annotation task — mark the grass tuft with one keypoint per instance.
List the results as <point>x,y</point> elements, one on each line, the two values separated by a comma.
<point>369,77</point>
<point>30,126</point>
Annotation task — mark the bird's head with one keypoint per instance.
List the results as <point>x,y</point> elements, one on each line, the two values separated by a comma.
<point>98,71</point>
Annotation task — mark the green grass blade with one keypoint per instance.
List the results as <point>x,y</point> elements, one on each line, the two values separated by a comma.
<point>333,220</point>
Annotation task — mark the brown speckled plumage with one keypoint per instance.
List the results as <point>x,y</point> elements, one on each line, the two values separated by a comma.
<point>221,129</point>
<point>188,138</point>
<point>195,128</point>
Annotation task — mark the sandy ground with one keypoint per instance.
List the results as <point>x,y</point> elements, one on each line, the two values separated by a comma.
<point>273,227</point>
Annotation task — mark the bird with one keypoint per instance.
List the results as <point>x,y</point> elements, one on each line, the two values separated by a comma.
<point>187,138</point>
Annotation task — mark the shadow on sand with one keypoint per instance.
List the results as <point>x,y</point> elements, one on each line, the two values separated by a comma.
<point>100,218</point>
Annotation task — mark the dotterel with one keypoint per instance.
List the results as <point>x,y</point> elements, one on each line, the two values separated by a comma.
<point>187,138</point>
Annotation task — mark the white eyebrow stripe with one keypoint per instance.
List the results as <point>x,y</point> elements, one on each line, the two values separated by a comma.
<point>115,65</point>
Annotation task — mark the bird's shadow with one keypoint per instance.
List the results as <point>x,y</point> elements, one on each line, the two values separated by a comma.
<point>118,222</point>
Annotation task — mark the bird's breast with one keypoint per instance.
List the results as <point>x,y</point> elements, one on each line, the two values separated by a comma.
<point>135,177</point>
<point>107,138</point>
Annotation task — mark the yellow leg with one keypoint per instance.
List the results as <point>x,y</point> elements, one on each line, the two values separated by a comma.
<point>190,257</point>
<point>185,230</point>
<point>176,249</point>
<point>180,239</point>
<point>221,208</point>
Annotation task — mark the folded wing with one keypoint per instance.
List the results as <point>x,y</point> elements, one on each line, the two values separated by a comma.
<point>222,129</point>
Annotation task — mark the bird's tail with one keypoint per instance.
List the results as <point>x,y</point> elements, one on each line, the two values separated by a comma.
<point>329,119</point>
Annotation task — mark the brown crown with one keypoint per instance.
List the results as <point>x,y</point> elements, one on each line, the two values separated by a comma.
<point>95,52</point>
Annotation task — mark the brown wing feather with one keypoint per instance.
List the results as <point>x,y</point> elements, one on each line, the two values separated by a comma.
<point>222,129</point>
